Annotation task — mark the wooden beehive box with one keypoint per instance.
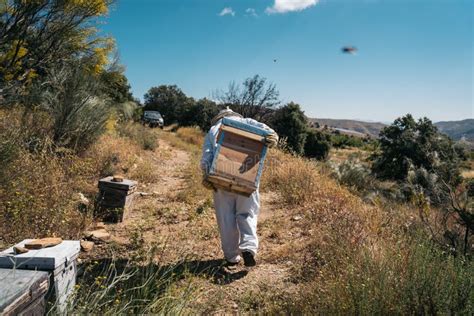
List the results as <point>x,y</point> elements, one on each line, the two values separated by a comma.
<point>23,292</point>
<point>239,158</point>
<point>59,261</point>
<point>115,198</point>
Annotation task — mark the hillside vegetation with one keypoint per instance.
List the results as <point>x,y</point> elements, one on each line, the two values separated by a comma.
<point>323,248</point>
<point>458,129</point>
<point>374,227</point>
<point>365,128</point>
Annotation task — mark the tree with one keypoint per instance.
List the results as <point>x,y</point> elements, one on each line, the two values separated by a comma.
<point>290,122</point>
<point>200,114</point>
<point>169,100</point>
<point>115,84</point>
<point>39,34</point>
<point>407,144</point>
<point>317,144</point>
<point>256,99</point>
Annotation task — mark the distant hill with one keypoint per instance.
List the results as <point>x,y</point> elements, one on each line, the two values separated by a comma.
<point>458,130</point>
<point>348,126</point>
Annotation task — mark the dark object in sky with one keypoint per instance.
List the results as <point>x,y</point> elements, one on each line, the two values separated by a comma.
<point>274,60</point>
<point>349,49</point>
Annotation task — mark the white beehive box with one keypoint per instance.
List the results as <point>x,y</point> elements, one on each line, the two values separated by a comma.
<point>23,292</point>
<point>60,261</point>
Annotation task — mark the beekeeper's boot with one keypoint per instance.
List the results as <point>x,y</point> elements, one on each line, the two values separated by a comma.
<point>249,259</point>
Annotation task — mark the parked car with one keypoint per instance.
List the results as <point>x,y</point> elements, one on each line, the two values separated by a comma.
<point>152,119</point>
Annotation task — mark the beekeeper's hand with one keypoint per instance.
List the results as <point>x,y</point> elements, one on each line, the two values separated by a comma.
<point>271,140</point>
<point>207,184</point>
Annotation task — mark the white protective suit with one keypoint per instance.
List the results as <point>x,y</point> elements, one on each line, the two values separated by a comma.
<point>236,214</point>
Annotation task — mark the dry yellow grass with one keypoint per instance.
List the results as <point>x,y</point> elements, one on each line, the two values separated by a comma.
<point>192,135</point>
<point>340,155</point>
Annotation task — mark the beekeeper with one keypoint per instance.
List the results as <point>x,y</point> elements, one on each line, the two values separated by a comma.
<point>236,214</point>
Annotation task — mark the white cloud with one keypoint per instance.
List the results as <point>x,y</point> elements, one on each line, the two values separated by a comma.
<point>227,11</point>
<point>283,6</point>
<point>251,12</point>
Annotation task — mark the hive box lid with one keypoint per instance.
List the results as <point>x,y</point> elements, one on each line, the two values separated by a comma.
<point>47,259</point>
<point>126,184</point>
<point>20,287</point>
<point>245,127</point>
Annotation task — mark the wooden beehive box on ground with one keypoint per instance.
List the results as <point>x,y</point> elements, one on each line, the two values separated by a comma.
<point>115,198</point>
<point>239,158</point>
<point>23,292</point>
<point>59,261</point>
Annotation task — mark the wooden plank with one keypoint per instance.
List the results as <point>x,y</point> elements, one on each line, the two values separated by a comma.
<point>231,185</point>
<point>242,143</point>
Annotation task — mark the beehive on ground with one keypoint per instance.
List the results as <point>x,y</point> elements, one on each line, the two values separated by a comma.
<point>115,198</point>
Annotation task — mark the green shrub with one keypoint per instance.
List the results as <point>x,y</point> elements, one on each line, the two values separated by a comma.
<point>339,140</point>
<point>317,145</point>
<point>408,144</point>
<point>79,112</point>
<point>290,123</point>
<point>355,175</point>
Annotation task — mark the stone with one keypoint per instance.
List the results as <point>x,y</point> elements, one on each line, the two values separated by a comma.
<point>82,199</point>
<point>19,250</point>
<point>43,243</point>
<point>100,225</point>
<point>100,235</point>
<point>86,245</point>
<point>296,218</point>
<point>117,179</point>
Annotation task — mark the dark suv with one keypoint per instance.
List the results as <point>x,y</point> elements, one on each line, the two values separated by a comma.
<point>152,119</point>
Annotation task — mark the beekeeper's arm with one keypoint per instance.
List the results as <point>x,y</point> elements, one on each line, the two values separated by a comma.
<point>272,139</point>
<point>207,153</point>
<point>206,159</point>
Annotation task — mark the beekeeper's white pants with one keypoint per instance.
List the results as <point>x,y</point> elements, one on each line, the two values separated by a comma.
<point>237,220</point>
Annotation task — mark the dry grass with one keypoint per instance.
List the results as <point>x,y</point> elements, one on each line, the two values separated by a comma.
<point>340,155</point>
<point>191,135</point>
<point>39,191</point>
<point>293,177</point>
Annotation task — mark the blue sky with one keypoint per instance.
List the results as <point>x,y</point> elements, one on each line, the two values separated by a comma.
<point>414,56</point>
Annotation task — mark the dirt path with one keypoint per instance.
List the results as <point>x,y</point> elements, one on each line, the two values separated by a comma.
<point>187,235</point>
